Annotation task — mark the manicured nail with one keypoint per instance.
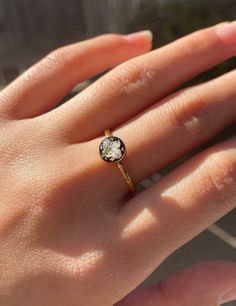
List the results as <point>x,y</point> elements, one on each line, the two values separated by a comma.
<point>227,33</point>
<point>228,296</point>
<point>138,36</point>
<point>219,25</point>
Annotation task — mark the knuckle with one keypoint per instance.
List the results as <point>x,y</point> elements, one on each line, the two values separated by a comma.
<point>164,289</point>
<point>135,80</point>
<point>58,57</point>
<point>221,171</point>
<point>191,112</point>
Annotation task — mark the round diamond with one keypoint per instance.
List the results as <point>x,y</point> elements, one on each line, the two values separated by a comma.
<point>112,149</point>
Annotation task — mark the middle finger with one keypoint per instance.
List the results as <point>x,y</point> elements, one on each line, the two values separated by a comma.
<point>174,126</point>
<point>138,83</point>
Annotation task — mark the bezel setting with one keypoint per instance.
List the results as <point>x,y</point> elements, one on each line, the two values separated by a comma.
<point>112,149</point>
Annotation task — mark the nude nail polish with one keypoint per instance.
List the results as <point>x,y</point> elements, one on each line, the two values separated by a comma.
<point>227,33</point>
<point>228,296</point>
<point>134,37</point>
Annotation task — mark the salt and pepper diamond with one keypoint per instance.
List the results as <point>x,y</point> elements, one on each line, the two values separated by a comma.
<point>112,149</point>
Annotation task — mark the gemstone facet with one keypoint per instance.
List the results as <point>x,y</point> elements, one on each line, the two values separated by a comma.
<point>112,149</point>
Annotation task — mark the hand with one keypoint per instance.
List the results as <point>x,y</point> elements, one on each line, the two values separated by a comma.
<point>68,234</point>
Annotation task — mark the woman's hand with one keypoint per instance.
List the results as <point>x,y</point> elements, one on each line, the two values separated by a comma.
<point>67,235</point>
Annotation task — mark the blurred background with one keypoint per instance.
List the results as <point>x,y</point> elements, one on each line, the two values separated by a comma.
<point>30,29</point>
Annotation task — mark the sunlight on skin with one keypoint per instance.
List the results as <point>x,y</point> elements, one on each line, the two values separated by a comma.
<point>83,264</point>
<point>220,179</point>
<point>81,242</point>
<point>143,221</point>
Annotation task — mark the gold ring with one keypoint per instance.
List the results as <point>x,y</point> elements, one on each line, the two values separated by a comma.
<point>112,150</point>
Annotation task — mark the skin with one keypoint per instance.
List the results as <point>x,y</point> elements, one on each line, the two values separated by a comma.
<point>69,235</point>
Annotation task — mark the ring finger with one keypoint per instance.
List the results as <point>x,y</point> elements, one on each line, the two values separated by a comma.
<point>177,124</point>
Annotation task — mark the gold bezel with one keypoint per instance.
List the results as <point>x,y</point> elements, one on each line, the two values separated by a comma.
<point>119,162</point>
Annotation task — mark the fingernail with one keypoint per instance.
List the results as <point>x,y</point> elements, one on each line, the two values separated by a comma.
<point>138,36</point>
<point>219,25</point>
<point>227,33</point>
<point>228,296</point>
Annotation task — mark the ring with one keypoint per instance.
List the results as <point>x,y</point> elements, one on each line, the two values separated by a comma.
<point>112,150</point>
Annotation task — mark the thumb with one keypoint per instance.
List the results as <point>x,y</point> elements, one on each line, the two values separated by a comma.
<point>207,283</point>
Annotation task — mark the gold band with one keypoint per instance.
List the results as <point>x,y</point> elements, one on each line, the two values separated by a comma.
<point>121,167</point>
<point>126,176</point>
